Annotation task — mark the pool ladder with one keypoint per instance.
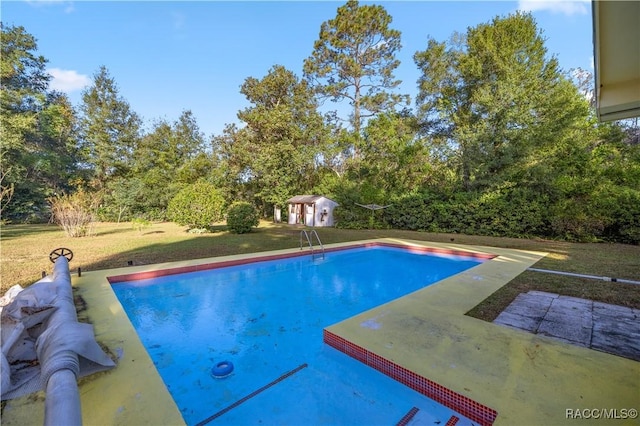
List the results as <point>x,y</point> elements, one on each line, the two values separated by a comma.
<point>309,237</point>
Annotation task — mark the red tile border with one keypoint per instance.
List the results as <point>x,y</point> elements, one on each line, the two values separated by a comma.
<point>404,421</point>
<point>453,400</point>
<point>452,421</point>
<point>227,263</point>
<point>201,267</point>
<point>422,249</point>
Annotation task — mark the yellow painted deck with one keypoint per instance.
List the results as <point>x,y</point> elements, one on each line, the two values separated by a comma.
<point>527,379</point>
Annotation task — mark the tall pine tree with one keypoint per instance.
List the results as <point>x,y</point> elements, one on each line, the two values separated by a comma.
<point>354,60</point>
<point>110,130</point>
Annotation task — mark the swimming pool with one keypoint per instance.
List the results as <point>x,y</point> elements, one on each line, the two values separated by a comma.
<point>267,318</point>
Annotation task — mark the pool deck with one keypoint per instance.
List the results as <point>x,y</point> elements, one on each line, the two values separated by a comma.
<point>527,379</point>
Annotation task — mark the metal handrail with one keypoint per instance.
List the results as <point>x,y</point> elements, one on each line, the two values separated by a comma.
<point>313,232</point>
<point>309,241</point>
<point>304,232</point>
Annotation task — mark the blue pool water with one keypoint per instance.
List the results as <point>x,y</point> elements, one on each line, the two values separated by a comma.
<point>267,319</point>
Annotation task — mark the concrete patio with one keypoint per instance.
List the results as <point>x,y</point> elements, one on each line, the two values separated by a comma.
<point>604,327</point>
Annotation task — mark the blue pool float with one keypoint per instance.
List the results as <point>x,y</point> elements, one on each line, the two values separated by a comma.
<point>222,369</point>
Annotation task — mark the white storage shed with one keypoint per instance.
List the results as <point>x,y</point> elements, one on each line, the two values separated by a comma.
<point>311,210</point>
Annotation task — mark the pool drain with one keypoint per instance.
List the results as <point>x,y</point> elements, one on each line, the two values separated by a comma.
<point>222,369</point>
<point>251,395</point>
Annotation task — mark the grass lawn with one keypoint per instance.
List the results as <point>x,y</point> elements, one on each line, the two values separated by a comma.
<point>24,254</point>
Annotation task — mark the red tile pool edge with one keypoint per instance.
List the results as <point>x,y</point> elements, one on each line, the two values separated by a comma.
<point>453,421</point>
<point>226,263</point>
<point>453,400</point>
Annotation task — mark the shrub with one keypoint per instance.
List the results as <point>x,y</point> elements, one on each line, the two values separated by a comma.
<point>500,212</point>
<point>241,217</point>
<point>75,213</point>
<point>140,223</point>
<point>347,217</point>
<point>573,223</point>
<point>198,206</point>
<point>412,212</point>
<point>621,207</point>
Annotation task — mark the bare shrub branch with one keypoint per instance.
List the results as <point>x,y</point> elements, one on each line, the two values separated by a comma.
<point>75,213</point>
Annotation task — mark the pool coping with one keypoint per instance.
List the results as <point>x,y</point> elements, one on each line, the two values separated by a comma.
<point>512,362</point>
<point>287,255</point>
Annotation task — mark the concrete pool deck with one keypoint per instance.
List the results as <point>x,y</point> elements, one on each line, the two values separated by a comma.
<point>527,379</point>
<point>608,328</point>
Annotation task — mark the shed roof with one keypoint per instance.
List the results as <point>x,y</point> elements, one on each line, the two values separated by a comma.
<point>306,199</point>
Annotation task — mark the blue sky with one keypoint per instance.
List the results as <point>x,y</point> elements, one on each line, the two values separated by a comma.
<point>169,56</point>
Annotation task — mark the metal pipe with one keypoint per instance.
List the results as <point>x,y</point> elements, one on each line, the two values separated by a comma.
<point>593,277</point>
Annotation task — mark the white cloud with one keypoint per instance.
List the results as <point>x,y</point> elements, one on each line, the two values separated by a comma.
<point>179,20</point>
<point>68,5</point>
<point>178,24</point>
<point>67,81</point>
<point>556,6</point>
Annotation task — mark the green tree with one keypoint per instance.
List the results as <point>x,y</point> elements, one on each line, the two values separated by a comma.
<point>198,205</point>
<point>6,192</point>
<point>354,59</point>
<point>38,154</point>
<point>394,160</point>
<point>496,96</point>
<point>24,83</point>
<point>166,160</point>
<point>242,217</point>
<point>229,164</point>
<point>276,154</point>
<point>110,130</point>
<point>596,182</point>
<point>120,199</point>
<point>56,165</point>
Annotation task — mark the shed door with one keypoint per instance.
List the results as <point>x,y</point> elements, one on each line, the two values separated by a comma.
<point>308,215</point>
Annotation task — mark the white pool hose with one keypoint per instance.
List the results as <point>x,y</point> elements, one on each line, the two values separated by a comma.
<point>593,277</point>
<point>59,362</point>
